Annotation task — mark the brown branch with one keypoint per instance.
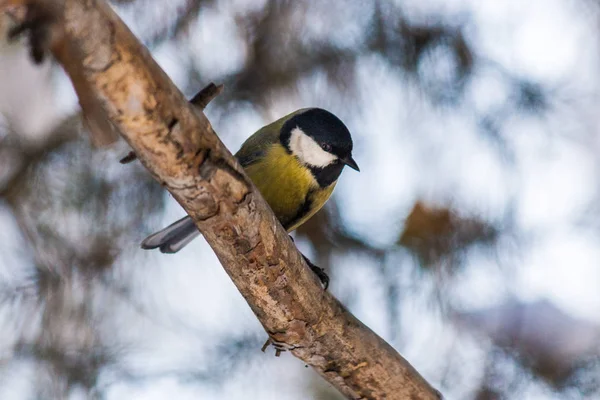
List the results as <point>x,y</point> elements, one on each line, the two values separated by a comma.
<point>200,100</point>
<point>179,147</point>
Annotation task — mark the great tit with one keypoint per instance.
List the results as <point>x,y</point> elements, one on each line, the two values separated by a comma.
<point>294,162</point>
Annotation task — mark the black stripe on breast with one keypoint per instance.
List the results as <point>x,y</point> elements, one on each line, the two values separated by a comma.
<point>302,211</point>
<point>326,176</point>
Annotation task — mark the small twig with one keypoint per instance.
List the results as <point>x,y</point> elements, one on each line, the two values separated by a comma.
<point>128,158</point>
<point>200,100</point>
<point>206,95</point>
<point>267,343</point>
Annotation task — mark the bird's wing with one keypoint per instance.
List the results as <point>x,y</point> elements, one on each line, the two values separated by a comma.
<point>257,144</point>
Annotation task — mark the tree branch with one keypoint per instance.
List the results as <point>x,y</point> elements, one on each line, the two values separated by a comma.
<point>200,100</point>
<point>179,147</point>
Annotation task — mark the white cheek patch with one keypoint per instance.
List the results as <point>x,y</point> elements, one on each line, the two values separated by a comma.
<point>309,151</point>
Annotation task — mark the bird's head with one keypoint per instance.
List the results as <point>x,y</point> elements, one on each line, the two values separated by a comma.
<point>319,140</point>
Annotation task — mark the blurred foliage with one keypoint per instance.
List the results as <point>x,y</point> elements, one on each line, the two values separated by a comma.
<point>72,285</point>
<point>432,234</point>
<point>551,344</point>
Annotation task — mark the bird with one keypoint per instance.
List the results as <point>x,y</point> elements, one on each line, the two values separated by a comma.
<point>294,162</point>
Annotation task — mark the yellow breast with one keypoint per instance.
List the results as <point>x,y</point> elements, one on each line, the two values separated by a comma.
<point>288,186</point>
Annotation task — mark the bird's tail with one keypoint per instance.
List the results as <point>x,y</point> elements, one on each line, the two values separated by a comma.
<point>172,238</point>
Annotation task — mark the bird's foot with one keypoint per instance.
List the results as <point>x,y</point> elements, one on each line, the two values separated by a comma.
<point>320,272</point>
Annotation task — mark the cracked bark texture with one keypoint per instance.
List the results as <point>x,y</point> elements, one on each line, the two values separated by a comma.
<point>177,144</point>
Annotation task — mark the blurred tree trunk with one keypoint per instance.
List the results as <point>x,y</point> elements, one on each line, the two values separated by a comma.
<point>179,147</point>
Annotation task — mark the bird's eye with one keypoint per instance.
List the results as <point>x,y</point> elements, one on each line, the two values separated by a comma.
<point>326,147</point>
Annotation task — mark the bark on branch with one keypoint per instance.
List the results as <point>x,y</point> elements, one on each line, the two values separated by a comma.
<point>180,149</point>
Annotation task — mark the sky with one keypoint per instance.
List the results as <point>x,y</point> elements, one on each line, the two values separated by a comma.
<point>403,157</point>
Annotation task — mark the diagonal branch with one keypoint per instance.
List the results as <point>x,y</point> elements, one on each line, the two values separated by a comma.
<point>200,100</point>
<point>180,149</point>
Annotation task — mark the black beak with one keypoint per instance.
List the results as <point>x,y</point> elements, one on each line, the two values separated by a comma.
<point>349,161</point>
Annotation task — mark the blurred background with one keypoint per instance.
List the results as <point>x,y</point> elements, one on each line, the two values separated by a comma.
<point>469,240</point>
